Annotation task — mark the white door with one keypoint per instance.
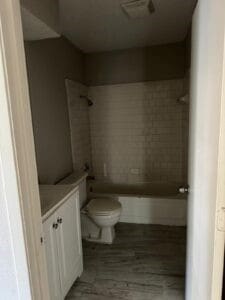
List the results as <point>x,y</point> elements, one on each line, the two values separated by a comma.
<point>206,154</point>
<point>50,227</point>
<point>69,242</point>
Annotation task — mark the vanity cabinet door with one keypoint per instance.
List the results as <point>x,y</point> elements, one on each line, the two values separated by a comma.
<point>52,257</point>
<point>69,242</point>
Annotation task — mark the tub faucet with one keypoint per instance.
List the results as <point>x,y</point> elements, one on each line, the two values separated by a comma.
<point>86,167</point>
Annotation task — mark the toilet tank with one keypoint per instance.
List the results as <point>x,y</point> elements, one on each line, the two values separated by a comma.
<point>83,192</point>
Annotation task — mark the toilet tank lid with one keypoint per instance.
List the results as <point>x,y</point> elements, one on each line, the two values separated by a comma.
<point>103,205</point>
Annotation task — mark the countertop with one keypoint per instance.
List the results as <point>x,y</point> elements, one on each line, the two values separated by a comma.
<point>53,196</point>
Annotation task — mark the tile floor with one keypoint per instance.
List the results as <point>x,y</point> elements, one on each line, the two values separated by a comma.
<point>145,262</point>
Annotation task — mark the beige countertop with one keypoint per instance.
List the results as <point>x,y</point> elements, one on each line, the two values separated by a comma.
<point>53,196</point>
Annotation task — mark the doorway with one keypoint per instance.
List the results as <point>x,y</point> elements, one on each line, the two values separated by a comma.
<point>202,217</point>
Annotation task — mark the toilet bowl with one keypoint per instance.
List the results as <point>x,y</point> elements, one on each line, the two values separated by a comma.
<point>105,213</point>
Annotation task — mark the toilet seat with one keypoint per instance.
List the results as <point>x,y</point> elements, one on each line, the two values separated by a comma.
<point>104,207</point>
<point>105,213</point>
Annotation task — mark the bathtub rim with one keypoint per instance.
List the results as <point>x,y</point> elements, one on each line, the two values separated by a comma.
<point>169,197</point>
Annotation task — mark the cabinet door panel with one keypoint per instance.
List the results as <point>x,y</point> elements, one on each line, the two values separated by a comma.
<point>69,243</point>
<point>51,251</point>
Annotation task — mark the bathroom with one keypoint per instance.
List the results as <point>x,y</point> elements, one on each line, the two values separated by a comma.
<point>110,113</point>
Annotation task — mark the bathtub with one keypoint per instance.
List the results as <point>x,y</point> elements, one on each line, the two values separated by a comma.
<point>148,203</point>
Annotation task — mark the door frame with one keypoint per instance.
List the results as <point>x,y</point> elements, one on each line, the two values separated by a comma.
<point>18,177</point>
<point>219,235</point>
<point>206,203</point>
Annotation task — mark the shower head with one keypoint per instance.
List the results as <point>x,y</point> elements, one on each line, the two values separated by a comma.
<point>89,101</point>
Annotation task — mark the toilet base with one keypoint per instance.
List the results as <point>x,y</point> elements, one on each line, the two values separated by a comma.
<point>106,236</point>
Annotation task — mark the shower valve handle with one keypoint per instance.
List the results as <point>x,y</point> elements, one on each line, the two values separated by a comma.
<point>184,189</point>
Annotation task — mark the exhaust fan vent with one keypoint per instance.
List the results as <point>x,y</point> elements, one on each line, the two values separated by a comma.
<point>138,8</point>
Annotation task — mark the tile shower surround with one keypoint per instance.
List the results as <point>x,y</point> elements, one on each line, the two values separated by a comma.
<point>138,132</point>
<point>79,124</point>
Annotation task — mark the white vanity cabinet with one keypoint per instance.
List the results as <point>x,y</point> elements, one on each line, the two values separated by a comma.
<point>51,252</point>
<point>62,238</point>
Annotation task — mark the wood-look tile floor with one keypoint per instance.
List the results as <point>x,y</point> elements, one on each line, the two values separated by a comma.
<point>144,262</point>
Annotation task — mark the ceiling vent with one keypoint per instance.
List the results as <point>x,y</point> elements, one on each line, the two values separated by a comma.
<point>136,9</point>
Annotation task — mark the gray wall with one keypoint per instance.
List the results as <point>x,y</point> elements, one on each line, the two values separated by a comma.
<point>136,65</point>
<point>49,62</point>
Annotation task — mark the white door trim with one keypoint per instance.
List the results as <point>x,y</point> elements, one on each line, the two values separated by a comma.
<point>18,177</point>
<point>219,240</point>
<point>205,248</point>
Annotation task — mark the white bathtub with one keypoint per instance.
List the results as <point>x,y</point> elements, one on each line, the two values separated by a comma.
<point>148,203</point>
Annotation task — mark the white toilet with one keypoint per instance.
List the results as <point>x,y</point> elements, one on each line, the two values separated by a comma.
<point>105,213</point>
